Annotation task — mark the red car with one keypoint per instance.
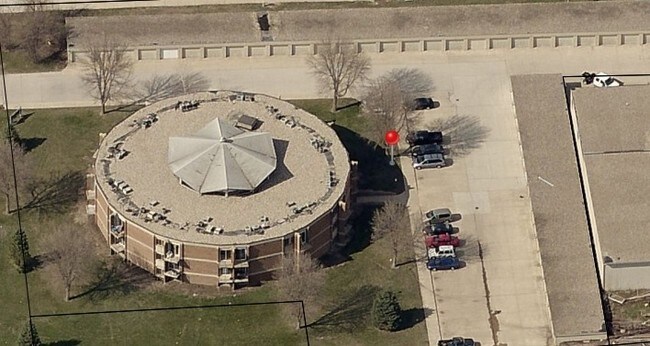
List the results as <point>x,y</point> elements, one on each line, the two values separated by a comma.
<point>441,239</point>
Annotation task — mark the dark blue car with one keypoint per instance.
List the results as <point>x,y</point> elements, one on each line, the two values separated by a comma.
<point>443,263</point>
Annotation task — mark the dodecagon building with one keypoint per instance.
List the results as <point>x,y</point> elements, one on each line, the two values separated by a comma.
<point>216,188</point>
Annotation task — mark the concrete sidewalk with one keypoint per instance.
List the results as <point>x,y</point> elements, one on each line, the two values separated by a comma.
<point>289,77</point>
<point>5,5</point>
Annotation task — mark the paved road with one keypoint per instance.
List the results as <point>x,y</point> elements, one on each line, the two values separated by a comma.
<point>499,296</point>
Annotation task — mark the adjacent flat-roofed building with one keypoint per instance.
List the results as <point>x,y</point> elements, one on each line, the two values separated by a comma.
<point>183,190</point>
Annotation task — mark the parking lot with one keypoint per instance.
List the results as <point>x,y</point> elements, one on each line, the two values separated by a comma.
<point>499,296</point>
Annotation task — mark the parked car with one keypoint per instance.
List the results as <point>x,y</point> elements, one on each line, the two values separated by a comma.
<point>429,161</point>
<point>424,137</point>
<point>441,251</point>
<point>424,149</point>
<point>437,228</point>
<point>441,239</point>
<point>438,215</point>
<point>421,103</point>
<point>443,263</point>
<point>457,341</point>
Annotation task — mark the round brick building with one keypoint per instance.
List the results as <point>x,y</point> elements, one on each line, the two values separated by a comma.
<point>216,188</point>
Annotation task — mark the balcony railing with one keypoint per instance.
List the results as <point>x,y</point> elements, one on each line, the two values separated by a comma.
<point>117,230</point>
<point>225,278</point>
<point>118,247</point>
<point>160,249</point>
<point>241,279</point>
<point>160,264</point>
<point>173,273</point>
<point>172,258</point>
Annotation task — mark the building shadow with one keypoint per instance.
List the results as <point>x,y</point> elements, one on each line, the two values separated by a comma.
<point>281,172</point>
<point>375,171</point>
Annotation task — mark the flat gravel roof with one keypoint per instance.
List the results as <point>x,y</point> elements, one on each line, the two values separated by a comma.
<point>615,137</point>
<point>366,23</point>
<point>301,177</point>
<point>557,201</point>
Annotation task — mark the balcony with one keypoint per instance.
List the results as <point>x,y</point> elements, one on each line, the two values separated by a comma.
<point>160,249</point>
<point>173,273</point>
<point>243,279</point>
<point>172,258</point>
<point>225,278</point>
<point>225,263</point>
<point>160,264</point>
<point>117,230</point>
<point>118,247</point>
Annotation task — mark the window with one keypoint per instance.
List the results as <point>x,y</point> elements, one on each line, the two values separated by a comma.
<point>225,271</point>
<point>288,241</point>
<point>303,236</point>
<point>224,255</point>
<point>240,254</point>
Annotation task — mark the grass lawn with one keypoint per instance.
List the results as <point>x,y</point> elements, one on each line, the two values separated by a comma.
<point>17,61</point>
<point>349,292</point>
<point>63,141</point>
<point>375,173</point>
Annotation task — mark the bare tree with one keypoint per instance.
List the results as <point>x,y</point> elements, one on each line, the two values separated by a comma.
<point>43,33</point>
<point>107,71</point>
<point>391,222</point>
<point>23,172</point>
<point>71,254</point>
<point>337,67</point>
<point>388,102</point>
<point>300,278</point>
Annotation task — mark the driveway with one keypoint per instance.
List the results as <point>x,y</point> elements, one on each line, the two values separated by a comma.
<point>499,295</point>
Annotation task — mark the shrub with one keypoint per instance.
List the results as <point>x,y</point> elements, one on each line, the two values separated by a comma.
<point>19,242</point>
<point>386,311</point>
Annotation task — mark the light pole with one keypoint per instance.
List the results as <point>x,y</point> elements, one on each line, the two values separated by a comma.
<point>392,138</point>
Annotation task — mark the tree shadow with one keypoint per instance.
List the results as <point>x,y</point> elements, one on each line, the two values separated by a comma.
<point>162,86</point>
<point>56,194</point>
<point>115,278</point>
<point>32,143</point>
<point>36,262</point>
<point>413,316</point>
<point>351,313</point>
<point>412,82</point>
<point>375,171</point>
<point>71,342</point>
<point>463,133</point>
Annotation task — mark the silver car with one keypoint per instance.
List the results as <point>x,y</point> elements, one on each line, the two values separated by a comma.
<point>434,160</point>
